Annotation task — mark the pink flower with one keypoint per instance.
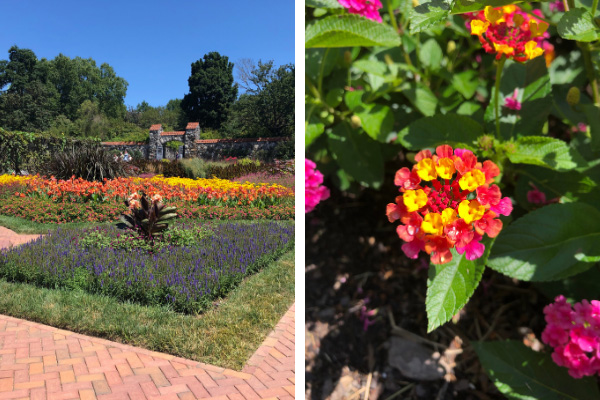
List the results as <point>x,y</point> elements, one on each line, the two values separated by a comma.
<point>474,248</point>
<point>366,8</point>
<point>557,6</point>
<point>574,332</point>
<point>314,191</point>
<point>512,103</point>
<point>535,196</point>
<point>503,207</point>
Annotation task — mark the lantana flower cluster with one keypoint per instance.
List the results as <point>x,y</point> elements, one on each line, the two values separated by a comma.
<point>448,201</point>
<point>574,333</point>
<point>313,188</point>
<point>508,31</point>
<point>366,8</point>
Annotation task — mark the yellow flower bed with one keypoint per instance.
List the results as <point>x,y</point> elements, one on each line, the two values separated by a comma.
<point>214,183</point>
<point>8,179</point>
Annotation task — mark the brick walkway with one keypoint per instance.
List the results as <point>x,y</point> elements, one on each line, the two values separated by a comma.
<point>41,362</point>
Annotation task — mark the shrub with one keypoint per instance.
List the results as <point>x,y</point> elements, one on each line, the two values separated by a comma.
<point>90,162</point>
<point>173,169</point>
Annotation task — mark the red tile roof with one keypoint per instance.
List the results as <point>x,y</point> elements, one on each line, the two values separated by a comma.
<point>192,125</point>
<point>178,133</point>
<point>155,127</point>
<point>122,143</point>
<point>243,140</point>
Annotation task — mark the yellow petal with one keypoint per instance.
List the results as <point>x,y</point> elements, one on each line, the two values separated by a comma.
<point>493,15</point>
<point>479,27</point>
<point>532,51</point>
<point>537,28</point>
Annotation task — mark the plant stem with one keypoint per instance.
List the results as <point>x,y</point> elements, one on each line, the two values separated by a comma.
<point>392,16</point>
<point>496,95</point>
<point>594,8</point>
<point>589,68</point>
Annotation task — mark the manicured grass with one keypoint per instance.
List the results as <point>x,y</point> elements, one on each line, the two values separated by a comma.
<point>24,226</point>
<point>226,336</point>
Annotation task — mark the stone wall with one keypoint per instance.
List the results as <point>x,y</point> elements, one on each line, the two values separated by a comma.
<point>217,149</point>
<point>193,146</point>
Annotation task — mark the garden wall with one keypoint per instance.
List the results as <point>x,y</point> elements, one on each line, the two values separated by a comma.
<point>193,146</point>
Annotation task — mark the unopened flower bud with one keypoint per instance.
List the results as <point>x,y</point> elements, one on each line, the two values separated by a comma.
<point>347,57</point>
<point>573,96</point>
<point>486,142</point>
<point>355,121</point>
<point>450,47</point>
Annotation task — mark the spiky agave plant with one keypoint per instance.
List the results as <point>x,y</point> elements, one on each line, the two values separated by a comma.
<point>149,217</point>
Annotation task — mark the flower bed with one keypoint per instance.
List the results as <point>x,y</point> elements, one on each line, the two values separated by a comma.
<point>187,278</point>
<point>77,200</point>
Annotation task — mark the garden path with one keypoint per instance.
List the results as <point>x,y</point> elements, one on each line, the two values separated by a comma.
<point>41,362</point>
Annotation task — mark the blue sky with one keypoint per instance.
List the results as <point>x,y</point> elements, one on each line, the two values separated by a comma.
<point>151,43</point>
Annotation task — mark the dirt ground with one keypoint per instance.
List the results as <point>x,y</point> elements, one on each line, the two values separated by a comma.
<point>365,311</point>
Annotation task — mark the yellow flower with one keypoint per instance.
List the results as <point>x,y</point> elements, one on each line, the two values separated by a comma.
<point>445,168</point>
<point>414,199</point>
<point>470,210</point>
<point>449,216</point>
<point>537,28</point>
<point>472,180</point>
<point>504,49</point>
<point>493,15</point>
<point>532,51</point>
<point>479,27</point>
<point>432,224</point>
<point>426,169</point>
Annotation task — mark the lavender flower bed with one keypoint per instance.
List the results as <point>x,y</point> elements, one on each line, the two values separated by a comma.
<point>186,278</point>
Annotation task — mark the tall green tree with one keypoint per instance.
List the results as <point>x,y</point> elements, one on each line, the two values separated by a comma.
<point>267,108</point>
<point>212,91</point>
<point>27,101</point>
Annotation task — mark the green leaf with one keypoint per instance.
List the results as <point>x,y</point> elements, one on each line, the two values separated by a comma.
<point>431,55</point>
<point>466,83</point>
<point>377,120</point>
<point>578,24</point>
<point>521,373</point>
<point>545,152</point>
<point>354,99</point>
<point>543,245</point>
<point>349,31</point>
<point>421,97</point>
<point>464,6</point>
<point>357,154</point>
<point>313,131</point>
<point>440,129</point>
<point>451,285</point>
<point>428,13</point>
<point>322,4</point>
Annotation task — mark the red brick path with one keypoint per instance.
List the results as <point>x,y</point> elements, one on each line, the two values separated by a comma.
<point>41,362</point>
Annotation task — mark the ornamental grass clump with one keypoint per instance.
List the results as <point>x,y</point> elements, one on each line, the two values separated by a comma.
<point>448,201</point>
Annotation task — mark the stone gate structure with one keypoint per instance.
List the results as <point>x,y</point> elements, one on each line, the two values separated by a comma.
<point>193,146</point>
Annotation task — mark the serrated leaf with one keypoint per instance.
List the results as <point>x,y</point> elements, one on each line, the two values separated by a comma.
<point>543,245</point>
<point>578,24</point>
<point>521,373</point>
<point>428,13</point>
<point>357,154</point>
<point>451,285</point>
<point>354,99</point>
<point>440,129</point>
<point>377,120</point>
<point>349,31</point>
<point>322,4</point>
<point>545,152</point>
<point>464,6</point>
